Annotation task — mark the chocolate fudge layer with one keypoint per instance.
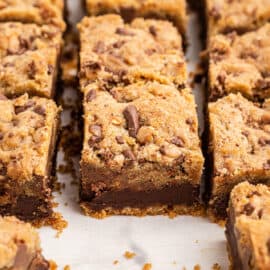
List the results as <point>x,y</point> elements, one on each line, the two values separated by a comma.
<point>248,227</point>
<point>33,11</point>
<point>116,53</point>
<point>172,10</point>
<point>224,16</point>
<point>20,246</point>
<point>239,146</point>
<point>28,129</point>
<point>240,63</point>
<point>141,152</point>
<point>29,59</point>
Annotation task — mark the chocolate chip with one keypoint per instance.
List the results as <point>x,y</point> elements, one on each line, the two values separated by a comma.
<point>118,44</point>
<point>263,84</point>
<point>3,97</point>
<point>120,139</point>
<point>178,141</point>
<point>248,54</point>
<point>91,95</point>
<point>32,70</point>
<point>153,30</point>
<point>215,13</point>
<point>129,154</point>
<point>266,165</point>
<point>248,209</point>
<point>190,121</point>
<point>253,193</point>
<point>127,13</point>
<point>263,141</point>
<point>123,32</point>
<point>245,133</point>
<point>99,47</point>
<point>260,213</point>
<point>132,118</point>
<point>268,246</point>
<point>96,130</point>
<point>1,136</point>
<point>162,150</point>
<point>40,110</point>
<point>50,69</point>
<point>92,65</point>
<point>20,109</point>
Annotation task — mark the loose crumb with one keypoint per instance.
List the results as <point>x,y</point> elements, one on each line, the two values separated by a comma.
<point>67,267</point>
<point>197,267</point>
<point>216,266</point>
<point>53,265</point>
<point>147,266</point>
<point>129,255</point>
<point>58,223</point>
<point>115,262</point>
<point>172,215</point>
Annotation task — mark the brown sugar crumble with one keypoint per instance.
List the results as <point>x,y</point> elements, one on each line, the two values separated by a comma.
<point>129,255</point>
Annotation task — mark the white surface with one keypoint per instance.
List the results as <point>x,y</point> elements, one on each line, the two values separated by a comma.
<point>90,244</point>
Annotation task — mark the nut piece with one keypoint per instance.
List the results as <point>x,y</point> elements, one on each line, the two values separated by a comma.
<point>132,118</point>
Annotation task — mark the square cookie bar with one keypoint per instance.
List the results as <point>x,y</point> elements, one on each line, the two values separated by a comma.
<point>20,246</point>
<point>239,147</point>
<point>116,53</point>
<point>28,131</point>
<point>141,152</point>
<point>225,16</point>
<point>240,63</point>
<point>172,10</point>
<point>248,227</point>
<point>40,12</point>
<point>29,57</point>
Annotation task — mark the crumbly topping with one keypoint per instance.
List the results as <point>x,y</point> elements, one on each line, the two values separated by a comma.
<point>34,11</point>
<point>141,123</point>
<point>174,10</point>
<point>241,15</point>
<point>240,139</point>
<point>251,207</point>
<point>240,63</point>
<point>26,127</point>
<point>116,53</point>
<point>13,233</point>
<point>28,56</point>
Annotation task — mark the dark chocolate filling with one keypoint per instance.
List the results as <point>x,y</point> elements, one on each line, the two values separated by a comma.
<point>171,195</point>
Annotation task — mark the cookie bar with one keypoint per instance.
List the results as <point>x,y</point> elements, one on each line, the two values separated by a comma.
<point>248,228</point>
<point>29,59</point>
<point>239,147</point>
<point>113,52</point>
<point>20,246</point>
<point>141,152</point>
<point>240,63</point>
<point>28,131</point>
<point>40,12</point>
<point>172,10</point>
<point>224,16</point>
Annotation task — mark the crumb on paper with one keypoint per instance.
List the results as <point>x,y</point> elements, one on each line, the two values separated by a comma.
<point>197,267</point>
<point>53,265</point>
<point>58,223</point>
<point>172,215</point>
<point>196,241</point>
<point>147,266</point>
<point>115,262</point>
<point>184,268</point>
<point>129,255</point>
<point>67,267</point>
<point>216,266</point>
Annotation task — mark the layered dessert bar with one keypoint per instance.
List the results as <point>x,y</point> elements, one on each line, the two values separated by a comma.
<point>240,63</point>
<point>141,151</point>
<point>29,57</point>
<point>172,10</point>
<point>225,16</point>
<point>40,12</point>
<point>28,131</point>
<point>113,52</point>
<point>20,246</point>
<point>239,147</point>
<point>248,228</point>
